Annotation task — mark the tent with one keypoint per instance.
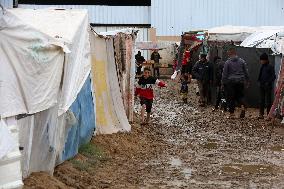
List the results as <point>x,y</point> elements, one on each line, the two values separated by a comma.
<point>45,83</point>
<point>114,75</point>
<point>236,33</point>
<point>274,40</point>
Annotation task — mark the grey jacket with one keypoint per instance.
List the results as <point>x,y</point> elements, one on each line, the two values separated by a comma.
<point>235,70</point>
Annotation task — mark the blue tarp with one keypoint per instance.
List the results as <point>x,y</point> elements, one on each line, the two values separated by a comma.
<point>81,132</point>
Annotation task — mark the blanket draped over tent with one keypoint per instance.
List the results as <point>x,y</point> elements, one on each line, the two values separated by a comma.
<point>113,82</point>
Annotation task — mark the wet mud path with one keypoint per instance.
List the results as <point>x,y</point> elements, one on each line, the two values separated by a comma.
<point>184,147</point>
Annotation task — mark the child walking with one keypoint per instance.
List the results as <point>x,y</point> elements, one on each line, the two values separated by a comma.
<point>145,91</point>
<point>184,88</point>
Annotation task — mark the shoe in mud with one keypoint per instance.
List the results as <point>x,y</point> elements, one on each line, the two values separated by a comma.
<point>243,114</point>
<point>260,117</point>
<point>231,116</point>
<point>197,94</point>
<point>202,105</point>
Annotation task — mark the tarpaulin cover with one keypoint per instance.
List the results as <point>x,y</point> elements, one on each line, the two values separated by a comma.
<point>81,131</point>
<point>236,33</point>
<point>31,68</point>
<point>110,112</point>
<point>40,138</point>
<point>34,64</point>
<point>45,61</point>
<point>125,63</point>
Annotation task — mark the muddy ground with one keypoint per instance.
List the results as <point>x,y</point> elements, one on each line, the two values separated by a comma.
<point>185,146</point>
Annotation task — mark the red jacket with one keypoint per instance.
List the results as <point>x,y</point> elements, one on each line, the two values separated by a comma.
<point>186,58</point>
<point>145,87</point>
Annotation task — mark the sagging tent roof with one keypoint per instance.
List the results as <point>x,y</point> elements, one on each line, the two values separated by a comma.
<point>35,71</point>
<point>273,39</point>
<point>236,33</point>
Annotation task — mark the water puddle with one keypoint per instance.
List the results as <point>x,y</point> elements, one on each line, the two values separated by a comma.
<point>210,145</point>
<point>187,173</point>
<point>175,162</point>
<point>252,169</point>
<point>277,148</point>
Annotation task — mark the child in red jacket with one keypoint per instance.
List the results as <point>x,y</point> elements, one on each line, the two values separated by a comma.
<point>145,91</point>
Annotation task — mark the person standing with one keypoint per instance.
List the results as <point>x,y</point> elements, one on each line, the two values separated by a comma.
<point>155,56</point>
<point>220,90</point>
<point>202,72</point>
<point>139,61</point>
<point>266,80</point>
<point>235,76</point>
<point>145,90</point>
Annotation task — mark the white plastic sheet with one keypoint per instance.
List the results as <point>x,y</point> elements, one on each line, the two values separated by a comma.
<point>7,144</point>
<point>34,65</point>
<point>31,68</point>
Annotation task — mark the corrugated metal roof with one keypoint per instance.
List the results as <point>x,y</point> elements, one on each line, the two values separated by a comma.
<point>174,17</point>
<point>108,14</point>
<point>7,3</point>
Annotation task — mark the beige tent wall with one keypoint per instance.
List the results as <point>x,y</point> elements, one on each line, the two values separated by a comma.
<point>111,117</point>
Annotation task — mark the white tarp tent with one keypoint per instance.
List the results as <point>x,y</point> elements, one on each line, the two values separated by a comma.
<point>273,39</point>
<point>236,33</point>
<point>45,61</point>
<point>32,59</point>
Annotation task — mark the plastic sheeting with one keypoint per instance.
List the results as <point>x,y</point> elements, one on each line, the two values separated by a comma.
<point>81,129</point>
<point>236,33</point>
<point>40,138</point>
<point>31,68</point>
<point>10,164</point>
<point>31,80</point>
<point>6,140</point>
<point>40,81</point>
<point>49,140</point>
<point>110,114</point>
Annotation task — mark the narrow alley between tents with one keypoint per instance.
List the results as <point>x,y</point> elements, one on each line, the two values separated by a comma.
<point>185,146</point>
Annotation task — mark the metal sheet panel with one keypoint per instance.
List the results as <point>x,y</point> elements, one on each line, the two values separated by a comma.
<point>7,3</point>
<point>107,14</point>
<point>171,18</point>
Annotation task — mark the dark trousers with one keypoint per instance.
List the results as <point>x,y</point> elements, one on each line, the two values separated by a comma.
<point>157,72</point>
<point>204,88</point>
<point>235,92</point>
<point>221,94</point>
<point>265,98</point>
<point>139,70</point>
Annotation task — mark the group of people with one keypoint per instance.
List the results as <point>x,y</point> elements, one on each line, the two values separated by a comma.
<point>155,57</point>
<point>230,78</point>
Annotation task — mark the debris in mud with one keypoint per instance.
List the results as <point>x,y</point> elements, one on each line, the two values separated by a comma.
<point>184,147</point>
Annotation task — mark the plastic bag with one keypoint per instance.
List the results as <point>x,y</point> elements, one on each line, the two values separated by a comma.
<point>7,144</point>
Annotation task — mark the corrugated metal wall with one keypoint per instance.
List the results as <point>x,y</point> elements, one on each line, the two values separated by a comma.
<point>108,14</point>
<point>7,3</point>
<point>172,17</point>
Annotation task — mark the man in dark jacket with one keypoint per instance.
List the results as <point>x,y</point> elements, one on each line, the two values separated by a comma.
<point>266,80</point>
<point>220,91</point>
<point>235,76</point>
<point>155,56</point>
<point>202,72</point>
<point>139,61</point>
